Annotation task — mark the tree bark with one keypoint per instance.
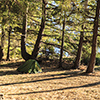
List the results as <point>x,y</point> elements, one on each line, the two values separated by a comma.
<point>2,37</point>
<point>94,41</point>
<point>2,43</point>
<point>61,50</point>
<point>1,53</point>
<point>79,52</point>
<point>36,47</point>
<point>9,33</point>
<point>24,54</point>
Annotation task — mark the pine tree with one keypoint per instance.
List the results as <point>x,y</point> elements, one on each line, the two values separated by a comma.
<point>94,41</point>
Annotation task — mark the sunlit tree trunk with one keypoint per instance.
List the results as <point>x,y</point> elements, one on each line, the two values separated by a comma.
<point>2,37</point>
<point>8,51</point>
<point>36,47</point>
<point>79,51</point>
<point>24,54</point>
<point>94,41</point>
<point>62,43</point>
<point>2,43</point>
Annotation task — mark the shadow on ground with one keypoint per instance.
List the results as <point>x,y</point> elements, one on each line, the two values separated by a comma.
<point>14,72</point>
<point>60,89</point>
<point>47,66</point>
<point>12,65</point>
<point>97,69</point>
<point>50,77</point>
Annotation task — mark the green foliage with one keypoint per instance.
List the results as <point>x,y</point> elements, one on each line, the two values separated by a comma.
<point>15,8</point>
<point>97,60</point>
<point>11,13</point>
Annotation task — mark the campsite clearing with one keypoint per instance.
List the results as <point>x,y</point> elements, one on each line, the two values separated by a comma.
<point>51,84</point>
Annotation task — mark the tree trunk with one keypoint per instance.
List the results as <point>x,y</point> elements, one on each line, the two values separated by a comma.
<point>9,33</point>
<point>24,54</point>
<point>2,38</point>
<point>1,53</point>
<point>94,41</point>
<point>2,43</point>
<point>61,50</point>
<point>79,52</point>
<point>36,47</point>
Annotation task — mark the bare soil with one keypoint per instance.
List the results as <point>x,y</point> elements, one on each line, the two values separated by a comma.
<point>52,84</point>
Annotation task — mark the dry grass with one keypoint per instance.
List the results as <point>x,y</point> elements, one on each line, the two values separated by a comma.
<point>52,84</point>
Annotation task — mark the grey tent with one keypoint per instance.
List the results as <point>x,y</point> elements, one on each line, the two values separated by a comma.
<point>30,66</point>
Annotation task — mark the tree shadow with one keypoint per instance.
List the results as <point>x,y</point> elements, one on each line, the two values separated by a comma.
<point>66,75</point>
<point>97,69</point>
<point>60,89</point>
<point>94,74</point>
<point>47,77</point>
<point>75,73</point>
<point>12,65</point>
<point>17,64</point>
<point>14,72</point>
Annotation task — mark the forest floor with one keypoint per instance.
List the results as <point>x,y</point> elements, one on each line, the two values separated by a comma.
<point>51,84</point>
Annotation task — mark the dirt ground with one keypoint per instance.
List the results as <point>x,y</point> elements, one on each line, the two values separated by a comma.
<point>51,84</point>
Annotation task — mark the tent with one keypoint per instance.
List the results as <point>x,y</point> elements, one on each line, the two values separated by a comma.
<point>30,66</point>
